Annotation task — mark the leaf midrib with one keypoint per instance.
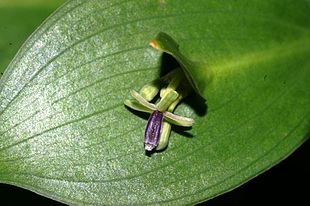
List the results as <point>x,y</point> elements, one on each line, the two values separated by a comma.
<point>234,65</point>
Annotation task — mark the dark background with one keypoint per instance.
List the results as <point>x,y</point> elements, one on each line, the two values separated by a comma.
<point>285,184</point>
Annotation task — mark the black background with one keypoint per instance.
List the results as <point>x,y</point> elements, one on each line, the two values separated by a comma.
<point>287,183</point>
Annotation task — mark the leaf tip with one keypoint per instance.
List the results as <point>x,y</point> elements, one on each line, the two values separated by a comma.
<point>153,44</point>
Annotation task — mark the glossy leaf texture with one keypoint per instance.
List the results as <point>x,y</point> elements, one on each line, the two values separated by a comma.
<point>18,19</point>
<point>65,133</point>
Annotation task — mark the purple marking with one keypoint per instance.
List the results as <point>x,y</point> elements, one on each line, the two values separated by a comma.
<point>153,130</point>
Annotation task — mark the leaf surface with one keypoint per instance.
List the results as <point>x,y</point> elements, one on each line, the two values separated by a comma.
<point>65,133</point>
<point>18,18</point>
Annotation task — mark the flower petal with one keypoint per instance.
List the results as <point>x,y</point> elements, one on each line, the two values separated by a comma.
<point>164,136</point>
<point>142,101</point>
<point>134,104</point>
<point>153,130</point>
<point>178,120</point>
<point>169,97</point>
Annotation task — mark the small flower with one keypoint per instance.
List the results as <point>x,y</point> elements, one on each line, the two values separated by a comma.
<point>158,128</point>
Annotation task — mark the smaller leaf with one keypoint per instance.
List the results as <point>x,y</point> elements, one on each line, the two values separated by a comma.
<point>196,73</point>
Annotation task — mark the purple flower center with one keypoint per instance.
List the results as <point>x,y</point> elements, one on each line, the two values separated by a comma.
<point>153,130</point>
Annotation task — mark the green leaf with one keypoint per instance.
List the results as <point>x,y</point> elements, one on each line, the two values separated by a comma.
<point>18,18</point>
<point>199,75</point>
<point>65,133</point>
